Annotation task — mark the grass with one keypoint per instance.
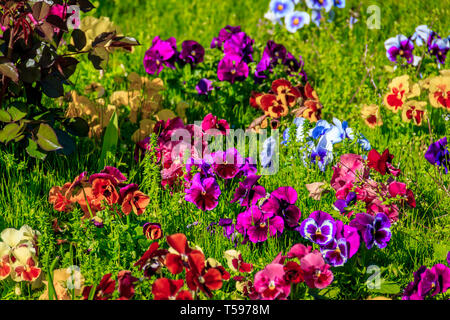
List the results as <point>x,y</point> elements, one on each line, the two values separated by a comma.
<point>336,61</point>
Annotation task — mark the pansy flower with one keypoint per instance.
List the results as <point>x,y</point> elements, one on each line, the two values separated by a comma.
<point>152,231</point>
<point>296,20</point>
<point>224,35</point>
<point>282,203</point>
<point>414,111</point>
<point>126,284</point>
<point>204,192</point>
<point>319,228</point>
<point>270,283</point>
<point>240,44</point>
<point>411,290</point>
<point>440,92</point>
<point>320,4</point>
<point>249,192</point>
<point>380,162</point>
<point>316,272</point>
<point>5,261</point>
<point>435,280</point>
<point>211,122</point>
<point>104,189</point>
<point>258,225</point>
<point>311,108</point>
<point>236,263</point>
<point>281,8</point>
<point>439,49</point>
<point>25,266</point>
<point>204,86</point>
<point>371,115</point>
<point>374,230</point>
<point>399,46</point>
<point>400,90</point>
<point>286,92</point>
<point>226,164</point>
<point>133,200</point>
<point>160,54</point>
<point>168,289</point>
<point>232,68</point>
<point>197,277</point>
<point>438,154</point>
<point>192,52</point>
<point>177,258</point>
<point>103,291</point>
<point>422,34</point>
<point>152,260</point>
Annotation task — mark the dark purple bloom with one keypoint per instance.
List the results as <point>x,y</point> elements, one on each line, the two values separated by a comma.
<point>448,258</point>
<point>282,203</point>
<point>435,280</point>
<point>200,165</point>
<point>439,48</point>
<point>240,44</point>
<point>192,52</point>
<point>273,55</point>
<point>439,154</point>
<point>374,230</point>
<point>228,227</point>
<point>226,164</point>
<point>203,192</point>
<point>342,204</point>
<point>232,68</point>
<point>249,192</point>
<point>204,86</point>
<point>411,290</point>
<point>295,66</point>
<point>257,225</point>
<point>319,228</point>
<point>224,34</point>
<point>399,46</point>
<point>161,53</point>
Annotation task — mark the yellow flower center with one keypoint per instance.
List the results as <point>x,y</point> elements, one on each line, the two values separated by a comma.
<point>192,53</point>
<point>280,7</point>
<point>262,225</point>
<point>272,285</point>
<point>296,21</point>
<point>401,52</point>
<point>233,71</point>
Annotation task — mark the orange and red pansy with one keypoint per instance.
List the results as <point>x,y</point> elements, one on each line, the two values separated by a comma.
<point>371,115</point>
<point>133,200</point>
<point>287,93</point>
<point>168,289</point>
<point>177,258</point>
<point>197,277</point>
<point>440,92</point>
<point>274,106</point>
<point>400,90</point>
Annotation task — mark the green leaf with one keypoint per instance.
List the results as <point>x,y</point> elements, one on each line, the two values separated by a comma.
<point>47,138</point>
<point>34,151</point>
<point>10,132</point>
<point>388,287</point>
<point>16,113</point>
<point>110,139</point>
<point>4,116</point>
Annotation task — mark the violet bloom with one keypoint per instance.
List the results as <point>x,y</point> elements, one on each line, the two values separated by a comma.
<point>374,230</point>
<point>320,4</point>
<point>435,280</point>
<point>224,35</point>
<point>411,290</point>
<point>282,203</point>
<point>273,54</point>
<point>240,44</point>
<point>192,52</point>
<point>319,228</point>
<point>295,66</point>
<point>257,225</point>
<point>438,154</point>
<point>399,46</point>
<point>204,86</point>
<point>203,192</point>
<point>228,227</point>
<point>161,53</point>
<point>342,204</point>
<point>249,192</point>
<point>226,164</point>
<point>232,68</point>
<point>439,48</point>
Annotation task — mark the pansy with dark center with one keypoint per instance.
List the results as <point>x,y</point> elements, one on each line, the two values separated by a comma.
<point>204,86</point>
<point>204,192</point>
<point>192,52</point>
<point>282,203</point>
<point>258,225</point>
<point>232,68</point>
<point>438,154</point>
<point>399,46</point>
<point>319,228</point>
<point>375,230</point>
<point>249,192</point>
<point>161,53</point>
<point>226,164</point>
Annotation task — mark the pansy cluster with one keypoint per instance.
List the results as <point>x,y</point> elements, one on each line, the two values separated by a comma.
<point>319,141</point>
<point>428,282</point>
<point>300,265</point>
<point>19,254</point>
<point>294,19</point>
<point>96,192</point>
<point>400,48</point>
<point>282,100</point>
<point>201,274</point>
<point>108,286</point>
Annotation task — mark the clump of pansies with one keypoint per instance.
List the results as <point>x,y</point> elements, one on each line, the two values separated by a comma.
<point>201,275</point>
<point>19,254</point>
<point>97,192</point>
<point>294,19</point>
<point>400,49</point>
<point>400,99</point>
<point>318,142</point>
<point>276,281</point>
<point>428,282</point>
<point>282,100</point>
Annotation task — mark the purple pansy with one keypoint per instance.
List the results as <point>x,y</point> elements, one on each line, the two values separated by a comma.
<point>439,154</point>
<point>439,48</point>
<point>204,86</point>
<point>435,280</point>
<point>374,230</point>
<point>228,227</point>
<point>232,68</point>
<point>161,53</point>
<point>192,52</point>
<point>399,46</point>
<point>342,204</point>
<point>226,164</point>
<point>240,44</point>
<point>224,35</point>
<point>282,203</point>
<point>343,247</point>
<point>319,228</point>
<point>249,192</point>
<point>257,225</point>
<point>203,192</point>
<point>411,290</point>
<point>296,20</point>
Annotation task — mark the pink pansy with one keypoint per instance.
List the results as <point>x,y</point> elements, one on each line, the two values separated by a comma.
<point>270,283</point>
<point>317,274</point>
